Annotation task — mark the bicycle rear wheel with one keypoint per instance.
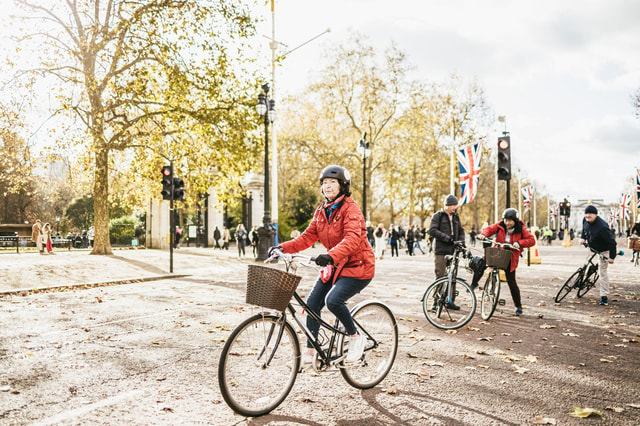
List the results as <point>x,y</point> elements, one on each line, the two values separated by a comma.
<point>258,365</point>
<point>490,294</point>
<point>574,280</point>
<point>636,255</point>
<point>375,321</point>
<point>439,313</point>
<point>588,283</point>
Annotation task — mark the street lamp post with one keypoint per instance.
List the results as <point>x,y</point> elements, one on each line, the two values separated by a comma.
<point>364,151</point>
<point>266,109</point>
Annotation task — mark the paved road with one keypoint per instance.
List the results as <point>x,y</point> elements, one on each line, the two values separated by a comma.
<point>146,351</point>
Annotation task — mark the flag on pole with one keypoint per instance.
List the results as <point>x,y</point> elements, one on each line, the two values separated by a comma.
<point>625,206</point>
<point>638,186</point>
<point>527,195</point>
<point>553,211</point>
<point>469,161</point>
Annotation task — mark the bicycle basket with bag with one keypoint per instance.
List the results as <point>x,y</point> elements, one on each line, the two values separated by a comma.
<point>497,257</point>
<point>269,287</point>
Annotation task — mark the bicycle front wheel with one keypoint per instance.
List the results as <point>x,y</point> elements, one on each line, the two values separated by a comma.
<point>258,365</point>
<point>441,312</point>
<point>490,294</point>
<point>375,321</point>
<point>574,280</point>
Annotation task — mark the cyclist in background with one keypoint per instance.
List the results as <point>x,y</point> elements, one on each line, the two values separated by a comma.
<point>510,230</point>
<point>596,232</point>
<point>349,264</point>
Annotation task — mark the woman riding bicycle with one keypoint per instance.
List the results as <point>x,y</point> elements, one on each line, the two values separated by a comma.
<point>512,231</point>
<point>349,263</point>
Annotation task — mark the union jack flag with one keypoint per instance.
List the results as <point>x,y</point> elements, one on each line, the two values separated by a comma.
<point>625,206</point>
<point>553,211</point>
<point>614,213</point>
<point>611,220</point>
<point>638,185</point>
<point>469,161</point>
<point>527,195</point>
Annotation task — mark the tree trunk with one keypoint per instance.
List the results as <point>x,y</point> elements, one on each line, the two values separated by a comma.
<point>102,244</point>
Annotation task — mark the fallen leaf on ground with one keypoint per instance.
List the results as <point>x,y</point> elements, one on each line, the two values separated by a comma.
<point>531,358</point>
<point>390,390</point>
<point>547,326</point>
<point>544,421</point>
<point>584,412</point>
<point>615,409</point>
<point>605,360</point>
<point>521,370</point>
<point>571,334</point>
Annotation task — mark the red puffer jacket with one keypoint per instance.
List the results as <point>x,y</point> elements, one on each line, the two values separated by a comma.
<point>345,239</point>
<point>520,234</point>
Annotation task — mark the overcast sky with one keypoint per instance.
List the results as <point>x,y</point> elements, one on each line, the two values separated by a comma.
<point>562,72</point>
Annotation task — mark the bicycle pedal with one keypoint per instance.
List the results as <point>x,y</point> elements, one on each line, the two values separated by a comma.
<point>502,302</point>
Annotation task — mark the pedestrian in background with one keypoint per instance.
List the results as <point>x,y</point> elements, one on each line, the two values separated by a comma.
<point>381,236</point>
<point>217,239</point>
<point>370,237</point>
<point>255,240</point>
<point>226,237</point>
<point>36,235</point>
<point>241,239</point>
<point>46,238</point>
<point>178,236</point>
<point>410,237</point>
<point>394,236</point>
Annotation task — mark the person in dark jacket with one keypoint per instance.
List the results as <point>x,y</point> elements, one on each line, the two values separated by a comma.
<point>446,228</point>
<point>595,231</point>
<point>339,225</point>
<point>510,230</point>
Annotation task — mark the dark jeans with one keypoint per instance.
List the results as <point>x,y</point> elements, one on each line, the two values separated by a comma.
<point>394,247</point>
<point>335,298</point>
<point>511,280</point>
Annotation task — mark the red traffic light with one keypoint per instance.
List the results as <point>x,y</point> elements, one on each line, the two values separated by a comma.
<point>503,144</point>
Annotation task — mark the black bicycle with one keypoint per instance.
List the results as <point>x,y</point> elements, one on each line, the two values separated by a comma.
<point>583,280</point>
<point>497,258</point>
<point>449,303</point>
<point>261,358</point>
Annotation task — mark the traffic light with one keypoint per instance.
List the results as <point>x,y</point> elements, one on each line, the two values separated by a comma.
<point>167,182</point>
<point>504,158</point>
<point>178,189</point>
<point>567,208</point>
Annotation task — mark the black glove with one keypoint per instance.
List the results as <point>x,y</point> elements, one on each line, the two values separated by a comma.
<point>272,251</point>
<point>324,260</point>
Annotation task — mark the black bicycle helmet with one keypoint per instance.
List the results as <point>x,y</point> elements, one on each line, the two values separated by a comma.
<point>510,214</point>
<point>341,174</point>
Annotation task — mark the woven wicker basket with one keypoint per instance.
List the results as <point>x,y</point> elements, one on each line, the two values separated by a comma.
<point>634,243</point>
<point>270,288</point>
<point>497,257</point>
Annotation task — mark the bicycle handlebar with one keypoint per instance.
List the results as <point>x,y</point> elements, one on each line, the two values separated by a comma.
<point>289,258</point>
<point>493,241</point>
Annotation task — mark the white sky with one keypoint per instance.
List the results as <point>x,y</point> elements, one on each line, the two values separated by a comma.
<point>562,72</point>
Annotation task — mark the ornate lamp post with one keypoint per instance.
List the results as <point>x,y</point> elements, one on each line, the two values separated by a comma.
<point>364,151</point>
<point>267,109</point>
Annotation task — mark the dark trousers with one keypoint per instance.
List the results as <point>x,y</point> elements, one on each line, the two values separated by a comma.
<point>394,247</point>
<point>335,298</point>
<point>511,280</point>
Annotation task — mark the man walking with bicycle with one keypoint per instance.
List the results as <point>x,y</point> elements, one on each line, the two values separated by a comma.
<point>446,228</point>
<point>598,236</point>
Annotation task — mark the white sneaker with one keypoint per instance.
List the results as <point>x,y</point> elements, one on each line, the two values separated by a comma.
<point>307,360</point>
<point>356,348</point>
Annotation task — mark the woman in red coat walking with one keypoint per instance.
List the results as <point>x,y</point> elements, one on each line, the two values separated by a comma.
<point>512,231</point>
<point>349,264</point>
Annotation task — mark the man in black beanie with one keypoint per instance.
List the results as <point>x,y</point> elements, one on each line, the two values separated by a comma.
<point>596,232</point>
<point>446,228</point>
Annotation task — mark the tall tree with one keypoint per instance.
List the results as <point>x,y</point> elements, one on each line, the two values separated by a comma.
<point>136,71</point>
